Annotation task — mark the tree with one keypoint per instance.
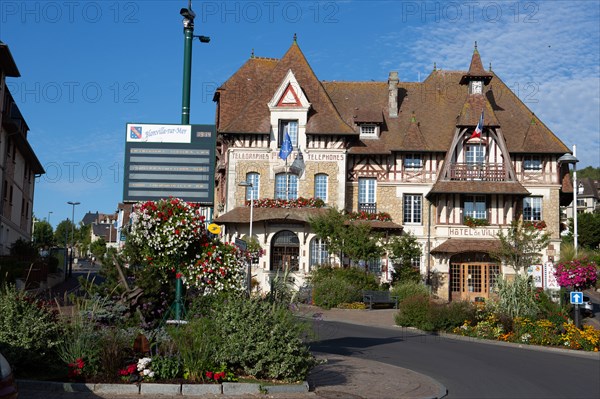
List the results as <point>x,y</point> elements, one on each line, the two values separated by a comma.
<point>403,250</point>
<point>360,243</point>
<point>62,234</point>
<point>43,236</point>
<point>588,230</point>
<point>330,228</point>
<point>591,172</point>
<point>98,248</point>
<point>522,245</point>
<point>354,239</point>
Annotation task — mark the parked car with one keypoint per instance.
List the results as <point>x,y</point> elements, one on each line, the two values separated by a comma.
<point>8,387</point>
<point>587,307</point>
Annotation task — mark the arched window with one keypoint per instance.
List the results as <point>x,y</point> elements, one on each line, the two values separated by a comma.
<point>319,254</point>
<point>321,181</point>
<point>252,192</point>
<point>286,186</point>
<point>285,251</point>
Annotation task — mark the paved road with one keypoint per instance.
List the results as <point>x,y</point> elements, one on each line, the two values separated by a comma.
<point>472,369</point>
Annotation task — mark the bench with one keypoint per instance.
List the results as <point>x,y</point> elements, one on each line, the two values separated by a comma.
<point>376,297</point>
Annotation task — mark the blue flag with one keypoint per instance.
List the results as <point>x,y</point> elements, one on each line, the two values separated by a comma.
<point>286,147</point>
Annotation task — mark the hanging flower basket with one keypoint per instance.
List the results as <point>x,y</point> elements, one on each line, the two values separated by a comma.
<point>580,274</point>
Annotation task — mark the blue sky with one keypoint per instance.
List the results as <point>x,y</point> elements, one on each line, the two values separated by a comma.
<point>89,67</point>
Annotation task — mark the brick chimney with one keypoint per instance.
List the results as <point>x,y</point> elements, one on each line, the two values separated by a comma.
<point>393,94</point>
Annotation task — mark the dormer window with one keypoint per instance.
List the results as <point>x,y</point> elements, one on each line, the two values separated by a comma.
<point>532,163</point>
<point>369,131</point>
<point>413,161</point>
<point>290,127</point>
<point>476,87</point>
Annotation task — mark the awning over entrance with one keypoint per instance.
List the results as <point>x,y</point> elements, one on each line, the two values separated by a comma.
<point>458,245</point>
<point>241,214</point>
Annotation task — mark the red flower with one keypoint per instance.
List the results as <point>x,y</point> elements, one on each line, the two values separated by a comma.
<point>209,374</point>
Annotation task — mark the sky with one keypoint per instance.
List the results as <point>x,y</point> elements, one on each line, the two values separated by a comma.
<point>89,67</point>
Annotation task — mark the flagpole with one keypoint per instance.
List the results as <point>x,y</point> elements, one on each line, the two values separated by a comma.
<point>287,180</point>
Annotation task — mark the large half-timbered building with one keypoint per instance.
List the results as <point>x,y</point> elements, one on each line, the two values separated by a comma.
<point>415,150</point>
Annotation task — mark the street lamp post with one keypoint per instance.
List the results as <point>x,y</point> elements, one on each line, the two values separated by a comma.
<point>572,159</point>
<point>188,32</point>
<point>49,213</point>
<point>73,204</point>
<point>249,185</point>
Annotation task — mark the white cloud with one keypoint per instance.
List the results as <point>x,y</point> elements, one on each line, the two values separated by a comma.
<point>549,54</point>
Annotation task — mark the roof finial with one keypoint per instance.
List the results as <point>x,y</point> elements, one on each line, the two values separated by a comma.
<point>533,122</point>
<point>475,45</point>
<point>295,38</point>
<point>435,66</point>
<point>252,54</point>
<point>490,67</point>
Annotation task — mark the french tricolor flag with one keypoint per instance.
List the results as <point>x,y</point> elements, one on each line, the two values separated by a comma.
<point>478,128</point>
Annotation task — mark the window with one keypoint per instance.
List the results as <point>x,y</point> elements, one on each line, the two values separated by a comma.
<point>416,262</point>
<point>321,186</point>
<point>474,153</point>
<point>532,163</point>
<point>580,203</point>
<point>252,192</point>
<point>291,128</point>
<point>319,255</point>
<point>532,209</point>
<point>366,194</point>
<point>286,186</point>
<point>412,208</point>
<point>368,131</point>
<point>10,197</point>
<point>413,161</point>
<point>374,266</point>
<point>475,207</point>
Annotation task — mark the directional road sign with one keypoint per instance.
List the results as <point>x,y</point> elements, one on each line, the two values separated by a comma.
<point>576,298</point>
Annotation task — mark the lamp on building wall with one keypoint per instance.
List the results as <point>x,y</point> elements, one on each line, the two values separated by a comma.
<point>249,185</point>
<point>73,204</point>
<point>572,159</point>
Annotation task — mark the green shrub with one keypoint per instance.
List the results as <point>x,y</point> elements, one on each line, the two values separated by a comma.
<point>331,292</point>
<point>167,367</point>
<point>29,329</point>
<point>407,289</point>
<point>262,340</point>
<point>334,285</point>
<point>415,312</point>
<point>445,317</point>
<point>198,342</point>
<point>516,298</point>
<point>115,349</point>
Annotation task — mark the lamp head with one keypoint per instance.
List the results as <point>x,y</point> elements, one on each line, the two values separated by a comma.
<point>187,13</point>
<point>568,158</point>
<point>204,39</point>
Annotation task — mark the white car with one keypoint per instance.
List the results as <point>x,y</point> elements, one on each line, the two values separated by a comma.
<point>8,388</point>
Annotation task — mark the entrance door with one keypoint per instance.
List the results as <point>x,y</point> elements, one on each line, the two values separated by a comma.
<point>285,252</point>
<point>471,281</point>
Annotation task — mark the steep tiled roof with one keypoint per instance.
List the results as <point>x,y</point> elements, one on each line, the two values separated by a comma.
<point>535,139</point>
<point>413,138</point>
<point>439,103</point>
<point>476,69</point>
<point>471,112</point>
<point>252,114</point>
<point>458,245</point>
<point>479,187</point>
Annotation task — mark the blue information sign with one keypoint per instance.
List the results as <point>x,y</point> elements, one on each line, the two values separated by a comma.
<point>576,298</point>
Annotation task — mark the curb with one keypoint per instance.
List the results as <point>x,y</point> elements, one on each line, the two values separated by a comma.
<point>226,388</point>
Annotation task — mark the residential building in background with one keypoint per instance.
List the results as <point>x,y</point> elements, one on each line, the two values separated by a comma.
<point>19,165</point>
